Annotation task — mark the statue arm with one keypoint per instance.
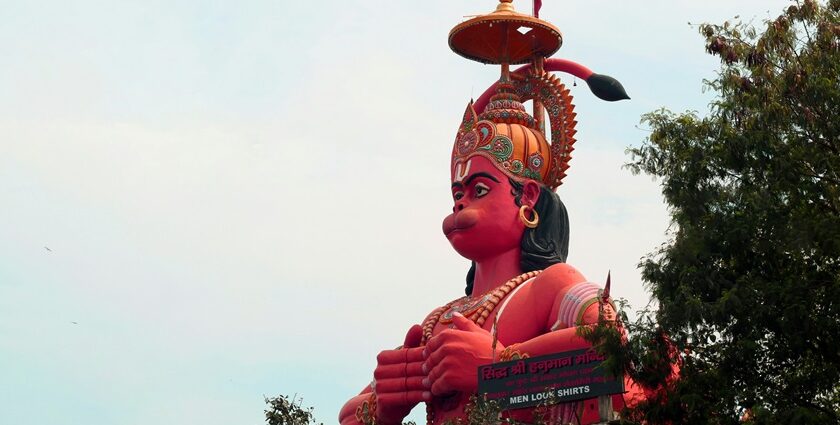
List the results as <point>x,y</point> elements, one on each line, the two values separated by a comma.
<point>579,304</point>
<point>558,340</point>
<point>566,300</point>
<point>347,416</point>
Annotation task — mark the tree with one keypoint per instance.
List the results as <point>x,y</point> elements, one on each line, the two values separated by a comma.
<point>282,411</point>
<point>747,286</point>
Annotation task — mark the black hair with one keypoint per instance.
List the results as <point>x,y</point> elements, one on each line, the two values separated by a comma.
<point>544,245</point>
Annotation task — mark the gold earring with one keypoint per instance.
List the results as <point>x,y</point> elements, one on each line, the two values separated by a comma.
<point>529,223</point>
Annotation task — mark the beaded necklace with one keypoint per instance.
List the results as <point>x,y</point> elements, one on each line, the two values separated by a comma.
<point>478,310</point>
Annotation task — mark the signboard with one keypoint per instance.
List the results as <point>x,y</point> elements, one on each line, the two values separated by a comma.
<point>571,375</point>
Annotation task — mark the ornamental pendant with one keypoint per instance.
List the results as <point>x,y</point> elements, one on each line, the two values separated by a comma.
<point>466,308</point>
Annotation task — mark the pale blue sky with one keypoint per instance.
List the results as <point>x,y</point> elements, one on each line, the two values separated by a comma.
<point>232,192</point>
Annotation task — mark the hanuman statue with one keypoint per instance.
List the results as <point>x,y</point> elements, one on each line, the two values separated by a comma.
<point>522,299</point>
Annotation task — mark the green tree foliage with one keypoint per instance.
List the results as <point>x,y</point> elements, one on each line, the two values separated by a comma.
<point>747,288</point>
<point>283,411</point>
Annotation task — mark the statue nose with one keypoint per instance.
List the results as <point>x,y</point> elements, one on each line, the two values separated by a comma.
<point>458,207</point>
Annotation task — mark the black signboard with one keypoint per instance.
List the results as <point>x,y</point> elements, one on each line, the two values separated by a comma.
<point>561,377</point>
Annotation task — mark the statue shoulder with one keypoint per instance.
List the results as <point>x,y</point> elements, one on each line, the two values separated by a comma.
<point>547,291</point>
<point>557,278</point>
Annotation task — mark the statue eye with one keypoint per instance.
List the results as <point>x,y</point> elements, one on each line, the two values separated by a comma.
<point>458,195</point>
<point>481,190</point>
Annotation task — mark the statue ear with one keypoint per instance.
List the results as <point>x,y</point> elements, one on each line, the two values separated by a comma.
<point>530,193</point>
<point>470,118</point>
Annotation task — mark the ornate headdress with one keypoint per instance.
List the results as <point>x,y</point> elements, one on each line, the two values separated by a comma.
<point>505,133</point>
<point>497,126</point>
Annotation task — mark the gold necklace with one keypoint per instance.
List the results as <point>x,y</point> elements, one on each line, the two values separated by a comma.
<point>477,310</point>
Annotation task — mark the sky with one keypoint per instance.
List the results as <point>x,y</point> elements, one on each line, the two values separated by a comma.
<point>207,202</point>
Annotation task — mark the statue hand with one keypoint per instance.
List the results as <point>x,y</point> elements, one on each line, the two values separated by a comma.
<point>453,356</point>
<point>398,379</point>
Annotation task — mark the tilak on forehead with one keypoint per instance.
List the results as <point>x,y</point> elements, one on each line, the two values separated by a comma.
<point>497,126</point>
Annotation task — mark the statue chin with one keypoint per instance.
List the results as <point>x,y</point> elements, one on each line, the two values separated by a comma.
<point>465,245</point>
<point>479,246</point>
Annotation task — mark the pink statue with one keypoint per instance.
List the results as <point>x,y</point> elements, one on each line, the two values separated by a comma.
<point>508,220</point>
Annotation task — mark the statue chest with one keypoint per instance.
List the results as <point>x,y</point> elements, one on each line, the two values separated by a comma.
<point>510,316</point>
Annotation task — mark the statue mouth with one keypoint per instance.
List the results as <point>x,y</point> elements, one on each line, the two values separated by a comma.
<point>461,220</point>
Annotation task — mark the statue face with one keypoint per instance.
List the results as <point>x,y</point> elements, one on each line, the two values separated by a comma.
<point>485,219</point>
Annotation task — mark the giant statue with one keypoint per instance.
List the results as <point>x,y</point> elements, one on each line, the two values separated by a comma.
<point>522,299</point>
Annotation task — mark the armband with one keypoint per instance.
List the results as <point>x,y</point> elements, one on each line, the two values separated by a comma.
<point>574,303</point>
<point>512,353</point>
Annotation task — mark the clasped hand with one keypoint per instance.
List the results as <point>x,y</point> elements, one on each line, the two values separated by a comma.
<point>398,379</point>
<point>447,364</point>
<point>453,356</point>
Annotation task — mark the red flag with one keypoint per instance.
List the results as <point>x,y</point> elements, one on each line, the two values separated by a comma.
<point>537,6</point>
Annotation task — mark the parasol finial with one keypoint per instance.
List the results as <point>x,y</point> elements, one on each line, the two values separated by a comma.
<point>505,6</point>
